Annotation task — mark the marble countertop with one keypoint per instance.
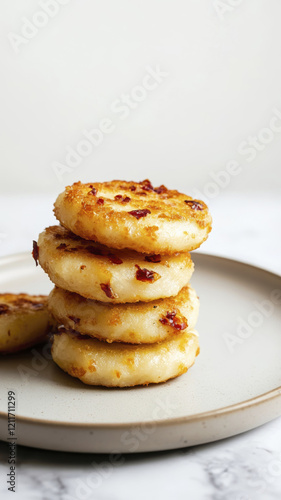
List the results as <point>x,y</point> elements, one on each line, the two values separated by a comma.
<point>245,467</point>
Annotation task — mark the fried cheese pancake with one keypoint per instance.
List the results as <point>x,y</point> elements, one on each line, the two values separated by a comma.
<point>144,322</point>
<point>117,276</point>
<point>23,321</point>
<point>123,365</point>
<point>134,215</point>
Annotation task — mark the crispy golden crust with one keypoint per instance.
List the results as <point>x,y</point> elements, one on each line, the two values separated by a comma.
<point>21,302</point>
<point>134,215</point>
<point>23,321</point>
<point>143,322</point>
<point>101,273</point>
<point>123,365</point>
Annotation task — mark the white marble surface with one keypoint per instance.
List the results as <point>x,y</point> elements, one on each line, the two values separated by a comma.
<point>245,467</point>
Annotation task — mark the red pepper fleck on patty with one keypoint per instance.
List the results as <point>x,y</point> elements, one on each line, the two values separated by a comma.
<point>35,252</point>
<point>174,320</point>
<point>106,288</point>
<point>140,213</point>
<point>143,274</point>
<point>153,258</point>
<point>195,205</point>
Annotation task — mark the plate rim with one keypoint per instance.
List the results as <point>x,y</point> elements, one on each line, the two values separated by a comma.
<point>225,410</point>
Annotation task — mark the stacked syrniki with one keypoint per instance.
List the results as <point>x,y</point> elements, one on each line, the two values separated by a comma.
<point>120,264</point>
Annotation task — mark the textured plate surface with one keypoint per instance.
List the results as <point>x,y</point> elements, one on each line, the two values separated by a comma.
<point>234,385</point>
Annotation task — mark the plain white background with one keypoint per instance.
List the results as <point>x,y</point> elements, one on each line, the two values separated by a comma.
<point>222,86</point>
<point>221,90</point>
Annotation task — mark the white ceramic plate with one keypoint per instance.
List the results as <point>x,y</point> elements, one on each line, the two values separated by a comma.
<point>234,385</point>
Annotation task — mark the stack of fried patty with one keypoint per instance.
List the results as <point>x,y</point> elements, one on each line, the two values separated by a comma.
<point>121,269</point>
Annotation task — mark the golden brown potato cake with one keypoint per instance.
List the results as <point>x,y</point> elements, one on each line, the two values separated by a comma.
<point>23,321</point>
<point>144,322</point>
<point>96,362</point>
<point>100,273</point>
<point>134,215</point>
